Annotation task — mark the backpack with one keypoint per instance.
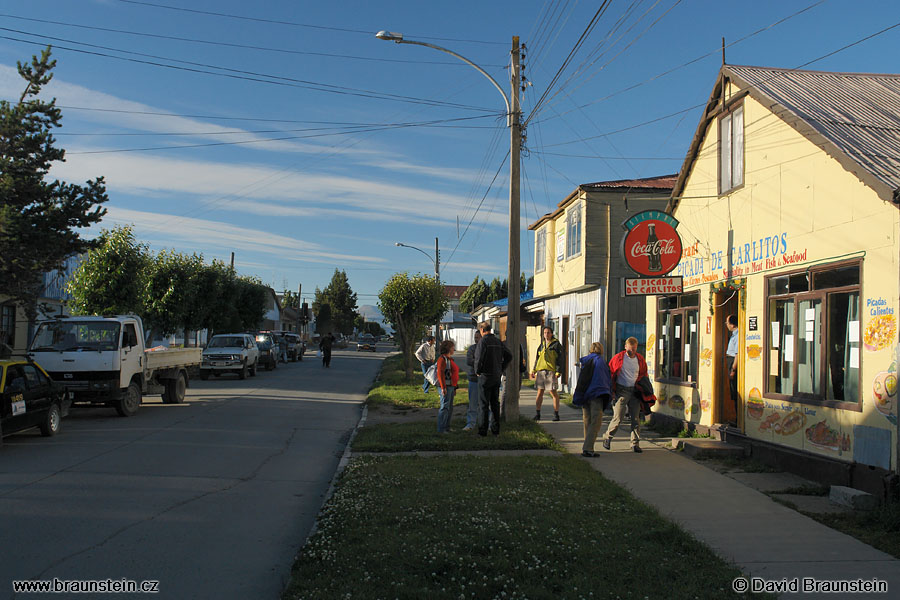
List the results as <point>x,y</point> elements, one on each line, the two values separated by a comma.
<point>431,373</point>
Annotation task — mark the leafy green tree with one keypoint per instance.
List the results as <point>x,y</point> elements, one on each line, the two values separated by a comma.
<point>171,290</point>
<point>39,217</point>
<point>323,319</point>
<point>342,300</point>
<point>111,278</point>
<point>290,300</point>
<point>410,304</point>
<point>497,289</point>
<point>359,322</point>
<point>474,296</point>
<point>373,328</point>
<point>251,301</point>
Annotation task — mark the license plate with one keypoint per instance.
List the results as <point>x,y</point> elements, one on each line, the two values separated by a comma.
<point>218,364</point>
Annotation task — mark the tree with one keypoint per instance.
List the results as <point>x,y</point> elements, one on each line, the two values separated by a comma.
<point>498,289</point>
<point>474,296</point>
<point>342,300</point>
<point>111,279</point>
<point>410,304</point>
<point>39,217</point>
<point>323,319</point>
<point>171,291</point>
<point>250,302</point>
<point>290,300</point>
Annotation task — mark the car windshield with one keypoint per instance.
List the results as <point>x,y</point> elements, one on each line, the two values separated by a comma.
<point>67,336</point>
<point>263,344</point>
<point>226,341</point>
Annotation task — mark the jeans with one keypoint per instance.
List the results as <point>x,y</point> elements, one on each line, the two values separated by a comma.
<point>446,410</point>
<point>490,399</point>
<point>626,396</point>
<point>592,415</point>
<point>426,386</point>
<point>474,402</point>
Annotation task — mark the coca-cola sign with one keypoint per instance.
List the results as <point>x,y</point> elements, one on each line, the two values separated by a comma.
<point>651,246</point>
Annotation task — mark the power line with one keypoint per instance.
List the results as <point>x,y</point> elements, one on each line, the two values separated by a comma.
<point>234,45</point>
<point>607,157</point>
<point>289,23</point>
<point>237,73</point>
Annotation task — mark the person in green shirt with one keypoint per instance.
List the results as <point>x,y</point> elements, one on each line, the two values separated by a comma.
<point>546,372</point>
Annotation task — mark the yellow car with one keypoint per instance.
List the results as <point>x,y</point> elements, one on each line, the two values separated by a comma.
<point>29,398</point>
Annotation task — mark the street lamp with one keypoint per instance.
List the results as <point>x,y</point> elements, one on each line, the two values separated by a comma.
<point>513,121</point>
<point>437,273</point>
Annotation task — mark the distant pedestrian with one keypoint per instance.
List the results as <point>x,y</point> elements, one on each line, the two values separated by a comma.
<point>474,388</point>
<point>425,356</point>
<point>592,394</point>
<point>448,381</point>
<point>626,369</point>
<point>491,358</point>
<point>546,372</point>
<point>731,352</point>
<point>325,346</point>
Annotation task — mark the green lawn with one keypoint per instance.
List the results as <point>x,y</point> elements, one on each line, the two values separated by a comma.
<point>393,388</point>
<point>879,528</point>
<point>422,435</point>
<point>512,527</point>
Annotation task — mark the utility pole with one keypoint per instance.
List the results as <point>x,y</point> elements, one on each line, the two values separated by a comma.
<point>513,283</point>
<point>437,278</point>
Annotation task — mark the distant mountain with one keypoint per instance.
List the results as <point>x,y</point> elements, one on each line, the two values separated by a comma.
<point>371,313</point>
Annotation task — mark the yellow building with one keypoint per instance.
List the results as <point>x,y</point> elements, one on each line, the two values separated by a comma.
<point>788,210</point>
<point>578,269</point>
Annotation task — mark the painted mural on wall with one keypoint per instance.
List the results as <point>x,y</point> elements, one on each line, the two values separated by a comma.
<point>884,393</point>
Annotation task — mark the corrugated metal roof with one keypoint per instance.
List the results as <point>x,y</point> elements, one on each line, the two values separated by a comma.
<point>857,112</point>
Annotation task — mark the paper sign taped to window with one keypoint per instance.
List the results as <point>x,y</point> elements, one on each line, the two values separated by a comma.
<point>693,328</point>
<point>678,331</point>
<point>853,334</point>
<point>776,333</point>
<point>773,363</point>
<point>854,358</point>
<point>810,330</point>
<point>687,353</point>
<point>810,314</point>
<point>789,348</point>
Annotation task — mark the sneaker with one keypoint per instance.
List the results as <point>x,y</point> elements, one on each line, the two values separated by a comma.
<point>587,454</point>
<point>606,443</point>
<point>468,428</point>
<point>637,449</point>
<point>537,416</point>
<point>556,416</point>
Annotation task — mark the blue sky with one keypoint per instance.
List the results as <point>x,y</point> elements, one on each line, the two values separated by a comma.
<point>404,141</point>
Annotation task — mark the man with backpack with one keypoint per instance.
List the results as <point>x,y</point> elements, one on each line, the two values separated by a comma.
<point>491,358</point>
<point>546,372</point>
<point>425,356</point>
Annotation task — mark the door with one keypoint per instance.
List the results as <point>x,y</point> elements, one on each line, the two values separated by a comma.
<point>726,302</point>
<point>37,394</point>
<point>131,359</point>
<point>15,404</point>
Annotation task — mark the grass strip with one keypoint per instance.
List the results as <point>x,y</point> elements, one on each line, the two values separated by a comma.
<point>880,528</point>
<point>393,388</point>
<point>408,527</point>
<point>524,434</point>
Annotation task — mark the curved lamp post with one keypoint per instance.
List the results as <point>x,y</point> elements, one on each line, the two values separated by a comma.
<point>514,122</point>
<point>436,259</point>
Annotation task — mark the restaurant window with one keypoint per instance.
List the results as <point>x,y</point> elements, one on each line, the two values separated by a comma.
<point>813,335</point>
<point>540,251</point>
<point>583,334</point>
<point>731,150</point>
<point>573,231</point>
<point>677,337</point>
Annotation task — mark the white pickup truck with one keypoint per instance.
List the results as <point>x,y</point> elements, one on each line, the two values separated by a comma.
<point>103,361</point>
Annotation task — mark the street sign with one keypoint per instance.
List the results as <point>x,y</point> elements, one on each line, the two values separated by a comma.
<point>651,245</point>
<point>649,286</point>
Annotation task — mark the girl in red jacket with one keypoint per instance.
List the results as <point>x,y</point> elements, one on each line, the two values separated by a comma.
<point>448,380</point>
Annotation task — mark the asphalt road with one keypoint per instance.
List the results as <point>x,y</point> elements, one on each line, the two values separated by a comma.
<point>212,497</point>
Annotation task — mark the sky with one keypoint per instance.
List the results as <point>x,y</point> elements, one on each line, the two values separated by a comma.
<point>287,133</point>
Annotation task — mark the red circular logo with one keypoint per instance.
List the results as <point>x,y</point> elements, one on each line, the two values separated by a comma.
<point>652,248</point>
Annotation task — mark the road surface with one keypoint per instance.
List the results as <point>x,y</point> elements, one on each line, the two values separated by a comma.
<point>212,498</point>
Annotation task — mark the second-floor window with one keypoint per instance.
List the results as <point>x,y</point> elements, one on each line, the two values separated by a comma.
<point>731,150</point>
<point>540,251</point>
<point>573,231</point>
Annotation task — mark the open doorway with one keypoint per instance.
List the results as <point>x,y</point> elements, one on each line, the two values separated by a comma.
<point>726,302</point>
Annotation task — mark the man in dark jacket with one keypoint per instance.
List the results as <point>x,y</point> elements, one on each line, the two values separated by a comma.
<point>491,358</point>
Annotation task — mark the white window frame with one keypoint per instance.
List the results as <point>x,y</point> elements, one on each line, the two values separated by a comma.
<point>571,224</point>
<point>540,251</point>
<point>731,150</point>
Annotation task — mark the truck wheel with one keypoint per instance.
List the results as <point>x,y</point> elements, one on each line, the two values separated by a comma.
<point>130,401</point>
<point>204,374</point>
<point>51,423</point>
<point>242,374</point>
<point>253,368</point>
<point>175,390</point>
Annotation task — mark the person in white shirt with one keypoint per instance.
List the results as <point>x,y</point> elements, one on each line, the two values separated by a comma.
<point>425,356</point>
<point>626,369</point>
<point>731,352</point>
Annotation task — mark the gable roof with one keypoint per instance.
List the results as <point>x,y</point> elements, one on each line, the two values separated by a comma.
<point>659,183</point>
<point>853,117</point>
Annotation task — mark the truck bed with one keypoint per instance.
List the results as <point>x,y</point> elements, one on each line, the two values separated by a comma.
<point>171,358</point>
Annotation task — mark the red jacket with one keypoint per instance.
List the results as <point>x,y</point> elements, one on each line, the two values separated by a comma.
<point>454,372</point>
<point>615,365</point>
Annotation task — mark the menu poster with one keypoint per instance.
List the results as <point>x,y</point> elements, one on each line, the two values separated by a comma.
<point>789,348</point>
<point>853,333</point>
<point>776,333</point>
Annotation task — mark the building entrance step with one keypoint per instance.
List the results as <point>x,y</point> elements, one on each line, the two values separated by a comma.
<point>708,448</point>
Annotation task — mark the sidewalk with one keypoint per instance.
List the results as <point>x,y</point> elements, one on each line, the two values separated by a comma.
<point>763,538</point>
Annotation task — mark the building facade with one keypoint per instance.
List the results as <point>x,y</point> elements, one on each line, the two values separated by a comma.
<point>788,211</point>
<point>578,269</point>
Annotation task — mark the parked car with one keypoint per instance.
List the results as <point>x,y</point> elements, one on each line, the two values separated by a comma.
<point>295,345</point>
<point>268,353</point>
<point>367,343</point>
<point>230,353</point>
<point>30,398</point>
